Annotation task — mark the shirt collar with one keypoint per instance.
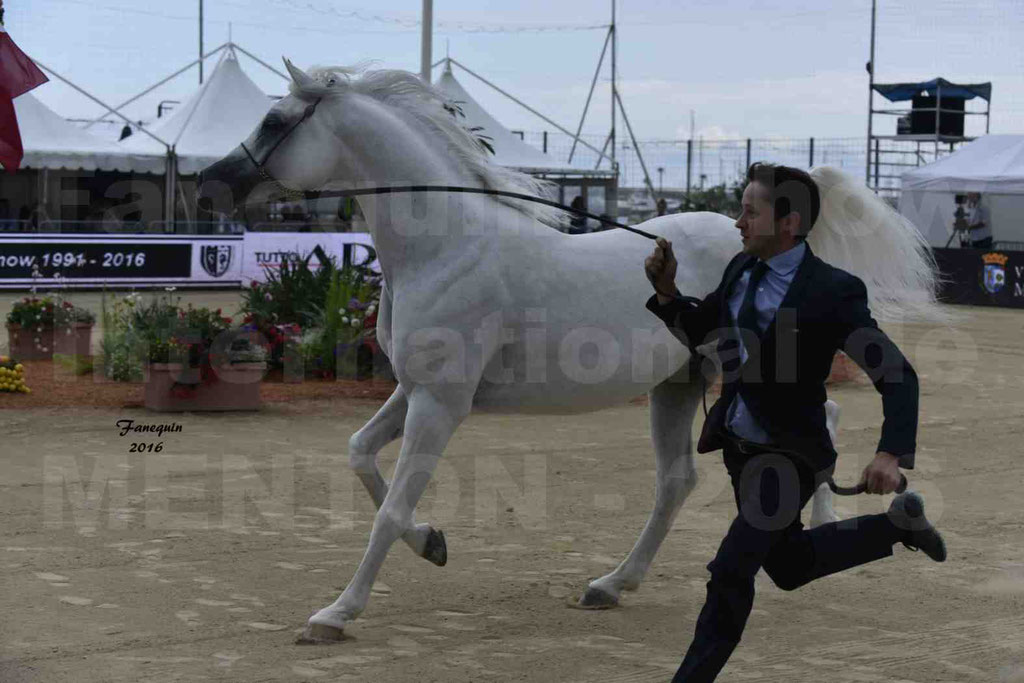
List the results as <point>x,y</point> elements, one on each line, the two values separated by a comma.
<point>786,262</point>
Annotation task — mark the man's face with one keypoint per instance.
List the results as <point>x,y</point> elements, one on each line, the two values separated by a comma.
<point>757,222</point>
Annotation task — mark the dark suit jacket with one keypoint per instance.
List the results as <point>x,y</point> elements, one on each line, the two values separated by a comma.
<point>783,380</point>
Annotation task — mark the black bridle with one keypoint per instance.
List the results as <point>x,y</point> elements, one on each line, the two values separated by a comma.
<point>311,109</point>
<point>261,168</point>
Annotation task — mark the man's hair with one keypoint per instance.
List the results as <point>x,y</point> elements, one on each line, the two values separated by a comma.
<point>790,189</point>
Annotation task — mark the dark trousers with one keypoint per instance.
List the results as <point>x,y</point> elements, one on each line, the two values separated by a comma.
<point>771,489</point>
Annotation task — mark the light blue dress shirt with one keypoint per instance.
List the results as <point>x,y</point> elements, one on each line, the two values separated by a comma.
<point>770,292</point>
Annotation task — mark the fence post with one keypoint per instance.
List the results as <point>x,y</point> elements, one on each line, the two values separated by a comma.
<point>689,165</point>
<point>748,155</point>
<point>545,142</point>
<point>811,164</point>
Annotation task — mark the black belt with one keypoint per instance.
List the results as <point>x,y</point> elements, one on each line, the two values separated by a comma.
<point>747,447</point>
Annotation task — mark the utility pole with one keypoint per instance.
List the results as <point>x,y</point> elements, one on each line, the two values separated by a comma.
<point>615,94</point>
<point>426,47</point>
<point>200,42</point>
<point>871,96</point>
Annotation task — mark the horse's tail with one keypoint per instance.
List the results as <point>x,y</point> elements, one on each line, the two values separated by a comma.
<point>858,232</point>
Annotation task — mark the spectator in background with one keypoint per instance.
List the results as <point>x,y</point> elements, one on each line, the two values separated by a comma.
<point>38,218</point>
<point>977,222</point>
<point>577,223</point>
<point>662,207</point>
<point>5,216</point>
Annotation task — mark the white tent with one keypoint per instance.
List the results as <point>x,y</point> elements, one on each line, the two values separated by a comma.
<point>51,142</point>
<point>221,114</point>
<point>509,150</point>
<point>992,165</point>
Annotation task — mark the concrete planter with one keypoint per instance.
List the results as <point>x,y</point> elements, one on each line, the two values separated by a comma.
<point>235,387</point>
<point>40,344</point>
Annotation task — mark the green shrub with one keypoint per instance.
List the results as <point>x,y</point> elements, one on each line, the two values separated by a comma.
<point>321,308</point>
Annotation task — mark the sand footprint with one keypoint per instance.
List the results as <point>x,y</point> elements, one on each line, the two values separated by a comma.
<point>188,616</point>
<point>74,600</point>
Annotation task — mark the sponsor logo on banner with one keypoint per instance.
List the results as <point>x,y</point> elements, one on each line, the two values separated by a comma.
<point>216,258</point>
<point>993,275</point>
<point>265,252</point>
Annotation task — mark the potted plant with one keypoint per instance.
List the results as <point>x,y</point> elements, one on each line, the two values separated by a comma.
<point>324,313</point>
<point>189,358</point>
<point>38,327</point>
<point>200,363</point>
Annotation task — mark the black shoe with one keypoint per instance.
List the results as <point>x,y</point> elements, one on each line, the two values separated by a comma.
<point>907,513</point>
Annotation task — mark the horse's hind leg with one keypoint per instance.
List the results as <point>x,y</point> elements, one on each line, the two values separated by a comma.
<point>822,510</point>
<point>382,429</point>
<point>429,424</point>
<point>673,405</point>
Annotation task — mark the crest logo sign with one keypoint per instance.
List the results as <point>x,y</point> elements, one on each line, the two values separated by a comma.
<point>993,276</point>
<point>216,258</point>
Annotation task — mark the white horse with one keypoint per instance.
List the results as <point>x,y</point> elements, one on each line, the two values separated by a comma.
<point>487,307</point>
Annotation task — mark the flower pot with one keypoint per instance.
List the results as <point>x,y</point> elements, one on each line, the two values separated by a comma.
<point>233,387</point>
<point>41,343</point>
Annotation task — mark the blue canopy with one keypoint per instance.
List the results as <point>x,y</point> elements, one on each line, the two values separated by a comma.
<point>896,92</point>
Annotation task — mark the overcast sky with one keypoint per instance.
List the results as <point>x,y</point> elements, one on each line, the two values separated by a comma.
<point>748,68</point>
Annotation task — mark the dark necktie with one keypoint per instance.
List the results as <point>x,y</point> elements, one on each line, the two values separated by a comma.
<point>747,317</point>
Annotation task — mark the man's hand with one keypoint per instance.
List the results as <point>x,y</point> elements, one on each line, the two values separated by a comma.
<point>883,474</point>
<point>661,270</point>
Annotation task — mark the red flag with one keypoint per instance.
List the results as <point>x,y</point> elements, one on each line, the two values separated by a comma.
<point>18,75</point>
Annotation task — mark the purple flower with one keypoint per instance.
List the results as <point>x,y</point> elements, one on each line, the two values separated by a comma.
<point>355,305</point>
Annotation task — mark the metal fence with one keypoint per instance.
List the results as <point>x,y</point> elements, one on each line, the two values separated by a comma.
<point>704,163</point>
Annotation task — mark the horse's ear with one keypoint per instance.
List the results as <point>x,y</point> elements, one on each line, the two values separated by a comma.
<point>300,77</point>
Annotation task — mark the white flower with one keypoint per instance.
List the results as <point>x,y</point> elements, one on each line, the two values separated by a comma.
<point>355,322</point>
<point>341,311</point>
<point>344,320</point>
<point>371,309</point>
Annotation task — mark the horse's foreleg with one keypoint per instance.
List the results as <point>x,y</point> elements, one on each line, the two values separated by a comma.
<point>429,424</point>
<point>673,404</point>
<point>382,429</point>
<point>822,510</point>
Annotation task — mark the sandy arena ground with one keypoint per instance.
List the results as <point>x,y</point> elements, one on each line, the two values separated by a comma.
<point>201,562</point>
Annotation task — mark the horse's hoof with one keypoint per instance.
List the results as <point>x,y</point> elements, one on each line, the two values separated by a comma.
<point>595,598</point>
<point>320,634</point>
<point>436,549</point>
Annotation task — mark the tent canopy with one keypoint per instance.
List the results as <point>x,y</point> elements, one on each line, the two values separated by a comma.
<point>509,150</point>
<point>221,114</point>
<point>51,142</point>
<point>898,92</point>
<point>991,164</point>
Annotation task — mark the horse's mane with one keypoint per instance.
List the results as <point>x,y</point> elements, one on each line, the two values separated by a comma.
<point>426,105</point>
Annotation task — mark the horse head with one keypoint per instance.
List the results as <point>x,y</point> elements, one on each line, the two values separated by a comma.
<point>294,149</point>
